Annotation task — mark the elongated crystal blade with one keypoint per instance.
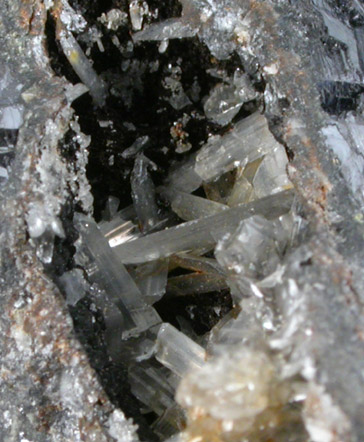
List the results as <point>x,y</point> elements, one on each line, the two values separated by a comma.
<point>201,233</point>
<point>196,263</point>
<point>189,207</point>
<point>118,230</point>
<point>184,177</point>
<point>114,278</point>
<point>249,139</point>
<point>195,283</point>
<point>171,28</point>
<point>150,387</point>
<point>151,278</point>
<point>271,175</point>
<point>143,194</point>
<point>83,67</point>
<point>178,352</point>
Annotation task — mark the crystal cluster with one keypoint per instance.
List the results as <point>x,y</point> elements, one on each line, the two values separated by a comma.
<point>221,222</point>
<point>249,230</point>
<point>205,306</point>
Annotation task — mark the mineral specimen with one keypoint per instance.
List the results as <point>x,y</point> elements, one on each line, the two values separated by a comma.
<point>216,287</point>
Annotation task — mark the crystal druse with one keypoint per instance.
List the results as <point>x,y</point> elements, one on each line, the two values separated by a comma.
<point>182,236</point>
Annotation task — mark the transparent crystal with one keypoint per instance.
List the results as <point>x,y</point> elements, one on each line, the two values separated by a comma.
<point>251,250</point>
<point>166,30</point>
<point>200,233</point>
<point>248,140</point>
<point>243,86</point>
<point>271,175</point>
<point>173,419</point>
<point>220,189</point>
<point>138,145</point>
<point>176,438</point>
<point>136,349</point>
<point>113,19</point>
<point>137,10</point>
<point>75,91</point>
<point>183,177</point>
<point>189,207</point>
<point>112,276</point>
<point>83,67</point>
<point>118,230</point>
<point>243,328</point>
<point>143,194</point>
<point>178,99</point>
<point>45,246</point>
<point>216,23</point>
<point>111,207</point>
<point>242,192</point>
<point>178,352</point>
<point>148,384</point>
<point>223,104</point>
<point>151,278</point>
<point>74,285</point>
<point>195,283</point>
<point>196,263</point>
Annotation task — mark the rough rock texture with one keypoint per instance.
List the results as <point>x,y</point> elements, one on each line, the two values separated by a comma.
<point>326,271</point>
<point>48,390</point>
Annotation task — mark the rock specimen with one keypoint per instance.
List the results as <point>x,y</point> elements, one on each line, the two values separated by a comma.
<point>182,221</point>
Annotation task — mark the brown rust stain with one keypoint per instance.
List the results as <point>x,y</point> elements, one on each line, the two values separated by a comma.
<point>32,16</point>
<point>316,186</point>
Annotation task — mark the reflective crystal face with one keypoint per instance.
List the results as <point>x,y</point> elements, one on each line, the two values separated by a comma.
<point>183,259</point>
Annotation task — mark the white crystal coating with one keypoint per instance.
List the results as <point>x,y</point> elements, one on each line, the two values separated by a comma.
<point>122,429</point>
<point>137,10</point>
<point>324,420</point>
<point>113,19</point>
<point>234,386</point>
<point>72,20</point>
